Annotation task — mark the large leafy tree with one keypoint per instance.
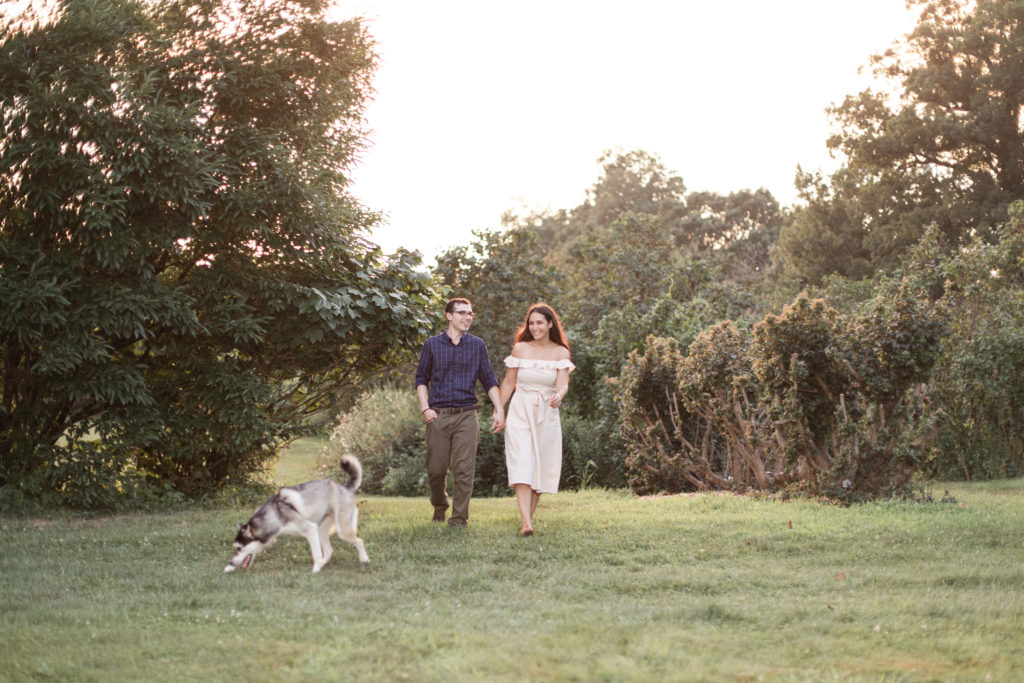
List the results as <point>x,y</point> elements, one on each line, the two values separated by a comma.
<point>946,149</point>
<point>630,263</point>
<point>183,274</point>
<point>736,232</point>
<point>634,182</point>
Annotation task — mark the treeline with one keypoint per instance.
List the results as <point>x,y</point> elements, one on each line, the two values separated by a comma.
<point>843,347</point>
<point>186,283</point>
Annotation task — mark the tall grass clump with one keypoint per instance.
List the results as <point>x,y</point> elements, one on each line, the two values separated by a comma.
<point>385,431</point>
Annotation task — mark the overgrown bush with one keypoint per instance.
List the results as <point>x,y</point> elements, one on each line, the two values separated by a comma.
<point>646,389</point>
<point>830,404</point>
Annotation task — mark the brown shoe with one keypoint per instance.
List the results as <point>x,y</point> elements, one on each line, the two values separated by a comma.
<point>438,516</point>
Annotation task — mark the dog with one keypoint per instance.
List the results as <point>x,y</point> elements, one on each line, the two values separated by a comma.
<point>314,509</point>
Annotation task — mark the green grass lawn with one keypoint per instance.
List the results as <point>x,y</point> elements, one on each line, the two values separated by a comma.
<point>300,462</point>
<point>612,587</point>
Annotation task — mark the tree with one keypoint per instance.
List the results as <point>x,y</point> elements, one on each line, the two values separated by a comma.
<point>825,236</point>
<point>949,150</point>
<point>630,263</point>
<point>737,231</point>
<point>635,182</point>
<point>184,277</point>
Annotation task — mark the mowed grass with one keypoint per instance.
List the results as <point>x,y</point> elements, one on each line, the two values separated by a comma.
<point>612,587</point>
<point>300,462</point>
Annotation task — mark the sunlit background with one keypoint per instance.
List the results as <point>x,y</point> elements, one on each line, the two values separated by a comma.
<point>484,107</point>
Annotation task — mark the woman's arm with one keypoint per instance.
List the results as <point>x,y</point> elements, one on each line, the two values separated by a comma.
<point>508,385</point>
<point>561,387</point>
<point>508,382</point>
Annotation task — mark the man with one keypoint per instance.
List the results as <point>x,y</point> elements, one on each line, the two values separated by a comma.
<point>451,363</point>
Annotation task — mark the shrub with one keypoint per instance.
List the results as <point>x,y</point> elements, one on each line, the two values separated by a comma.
<point>645,391</point>
<point>976,395</point>
<point>833,405</point>
<point>592,453</point>
<point>385,431</point>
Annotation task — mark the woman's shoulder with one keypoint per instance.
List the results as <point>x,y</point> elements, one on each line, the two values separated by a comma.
<point>521,350</point>
<point>517,355</point>
<point>525,351</point>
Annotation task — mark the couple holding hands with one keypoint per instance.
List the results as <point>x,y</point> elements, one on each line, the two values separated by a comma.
<point>536,379</point>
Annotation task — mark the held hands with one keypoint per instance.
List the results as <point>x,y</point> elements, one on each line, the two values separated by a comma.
<point>497,421</point>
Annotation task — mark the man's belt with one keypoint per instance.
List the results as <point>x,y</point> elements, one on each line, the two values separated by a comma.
<point>455,410</point>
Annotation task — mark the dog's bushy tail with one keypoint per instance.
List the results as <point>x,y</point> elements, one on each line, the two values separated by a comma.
<point>350,465</point>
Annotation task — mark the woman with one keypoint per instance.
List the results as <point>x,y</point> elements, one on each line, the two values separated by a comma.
<point>537,379</point>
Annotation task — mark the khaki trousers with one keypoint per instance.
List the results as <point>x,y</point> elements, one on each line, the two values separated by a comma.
<point>451,443</point>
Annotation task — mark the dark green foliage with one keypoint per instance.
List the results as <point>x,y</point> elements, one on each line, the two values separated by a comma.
<point>183,279</point>
<point>735,234</point>
<point>718,392</point>
<point>623,330</point>
<point>949,152</point>
<point>824,235</point>
<point>593,454</point>
<point>612,269</point>
<point>796,360</point>
<point>977,389</point>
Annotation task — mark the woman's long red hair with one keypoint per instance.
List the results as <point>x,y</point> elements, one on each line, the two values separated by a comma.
<point>557,332</point>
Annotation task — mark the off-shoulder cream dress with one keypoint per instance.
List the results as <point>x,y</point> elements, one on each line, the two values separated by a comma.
<point>533,431</point>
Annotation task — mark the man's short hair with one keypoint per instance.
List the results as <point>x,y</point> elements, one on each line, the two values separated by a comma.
<point>450,307</point>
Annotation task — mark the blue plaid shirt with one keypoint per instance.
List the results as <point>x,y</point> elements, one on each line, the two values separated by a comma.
<point>450,371</point>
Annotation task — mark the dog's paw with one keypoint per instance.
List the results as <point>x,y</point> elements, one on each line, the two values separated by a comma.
<point>230,568</point>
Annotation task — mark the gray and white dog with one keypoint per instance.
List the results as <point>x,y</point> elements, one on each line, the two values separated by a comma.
<point>314,509</point>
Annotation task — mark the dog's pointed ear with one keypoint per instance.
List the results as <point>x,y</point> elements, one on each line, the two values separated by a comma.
<point>241,525</point>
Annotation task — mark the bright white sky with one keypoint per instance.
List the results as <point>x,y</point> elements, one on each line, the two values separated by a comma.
<point>485,106</point>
